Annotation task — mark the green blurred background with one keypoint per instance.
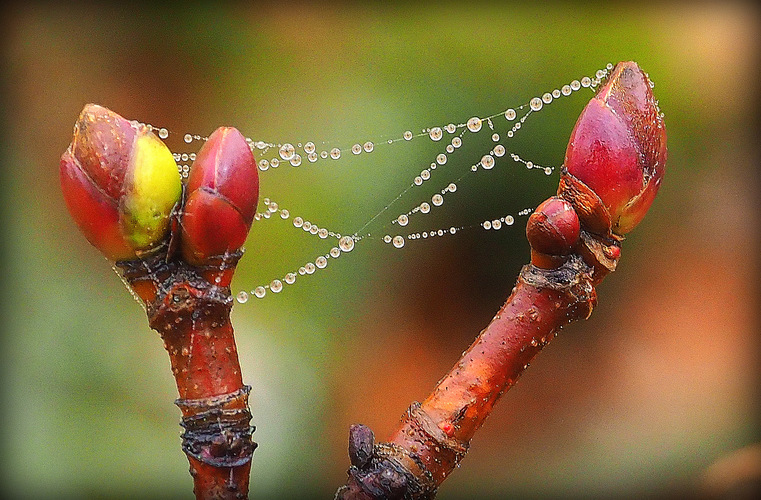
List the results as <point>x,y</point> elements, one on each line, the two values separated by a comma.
<point>661,382</point>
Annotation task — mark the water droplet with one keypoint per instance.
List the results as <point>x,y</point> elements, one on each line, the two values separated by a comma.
<point>487,162</point>
<point>309,147</point>
<point>509,220</point>
<point>435,133</point>
<point>314,229</point>
<point>575,85</point>
<point>346,244</point>
<point>298,221</point>
<point>450,149</point>
<point>290,278</point>
<point>496,224</point>
<point>510,133</point>
<point>425,175</point>
<point>452,230</point>
<point>418,180</point>
<point>323,233</point>
<point>276,286</point>
<point>600,74</point>
<point>302,270</point>
<point>306,226</point>
<point>555,94</point>
<point>398,241</point>
<point>387,239</point>
<point>437,200</point>
<point>547,98</point>
<point>309,268</point>
<point>499,150</point>
<point>425,207</point>
<point>495,137</point>
<point>259,292</point>
<point>451,128</point>
<point>586,81</point>
<point>335,153</point>
<point>510,114</point>
<point>566,90</point>
<point>486,224</point>
<point>403,220</point>
<point>452,187</point>
<point>242,297</point>
<point>335,252</point>
<point>408,135</point>
<point>274,163</point>
<point>163,133</point>
<point>535,104</point>
<point>287,151</point>
<point>456,142</point>
<point>368,147</point>
<point>548,170</point>
<point>474,124</point>
<point>188,138</point>
<point>356,149</point>
<point>323,154</point>
<point>529,164</point>
<point>264,165</point>
<point>312,157</point>
<point>272,207</point>
<point>441,159</point>
<point>321,262</point>
<point>296,160</point>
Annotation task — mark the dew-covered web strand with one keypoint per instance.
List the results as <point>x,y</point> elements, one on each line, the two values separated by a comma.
<point>455,133</point>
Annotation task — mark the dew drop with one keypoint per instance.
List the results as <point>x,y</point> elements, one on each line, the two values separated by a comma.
<point>321,262</point>
<point>600,74</point>
<point>323,154</point>
<point>548,170</point>
<point>322,233</point>
<point>403,220</point>
<point>437,200</point>
<point>302,270</point>
<point>529,164</point>
<point>456,142</point>
<point>555,94</point>
<point>259,292</point>
<point>575,85</point>
<point>312,157</point>
<point>586,81</point>
<point>314,229</point>
<point>284,214</point>
<point>418,180</point>
<point>435,133</point>
<point>535,104</point>
<point>398,241</point>
<point>298,221</point>
<point>487,162</point>
<point>450,149</point>
<point>408,135</point>
<point>356,149</point>
<point>163,133</point>
<point>290,278</point>
<point>510,133</point>
<point>274,163</point>
<point>441,159</point>
<point>425,207</point>
<point>425,175</point>
<point>451,128</point>
<point>452,187</point>
<point>309,147</point>
<point>547,98</point>
<point>346,244</point>
<point>499,150</point>
<point>486,224</point>
<point>452,230</point>
<point>335,252</point>
<point>496,224</point>
<point>387,239</point>
<point>565,90</point>
<point>510,114</point>
<point>296,160</point>
<point>188,138</point>
<point>287,151</point>
<point>309,268</point>
<point>495,137</point>
<point>264,165</point>
<point>509,220</point>
<point>335,153</point>
<point>276,286</point>
<point>306,226</point>
<point>474,124</point>
<point>242,297</point>
<point>368,147</point>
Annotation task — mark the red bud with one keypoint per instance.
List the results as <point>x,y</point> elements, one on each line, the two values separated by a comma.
<point>223,190</point>
<point>618,146</point>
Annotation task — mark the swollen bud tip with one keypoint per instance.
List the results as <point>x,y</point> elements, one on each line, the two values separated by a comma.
<point>120,183</point>
<point>618,148</point>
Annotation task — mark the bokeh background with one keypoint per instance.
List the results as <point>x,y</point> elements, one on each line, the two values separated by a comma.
<point>640,399</point>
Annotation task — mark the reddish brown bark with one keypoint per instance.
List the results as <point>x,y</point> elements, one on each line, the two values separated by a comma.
<point>193,318</point>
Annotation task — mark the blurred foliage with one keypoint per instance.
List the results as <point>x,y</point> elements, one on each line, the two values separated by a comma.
<point>616,406</point>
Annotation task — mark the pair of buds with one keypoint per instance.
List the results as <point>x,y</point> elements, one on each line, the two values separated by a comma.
<point>614,165</point>
<point>123,188</point>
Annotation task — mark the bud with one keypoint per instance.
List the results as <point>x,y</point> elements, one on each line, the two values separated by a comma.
<point>553,228</point>
<point>222,193</point>
<point>618,148</point>
<point>120,183</point>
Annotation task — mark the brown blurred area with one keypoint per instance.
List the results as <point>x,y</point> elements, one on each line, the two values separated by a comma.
<point>641,399</point>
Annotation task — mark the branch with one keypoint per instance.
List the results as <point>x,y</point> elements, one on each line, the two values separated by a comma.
<point>614,165</point>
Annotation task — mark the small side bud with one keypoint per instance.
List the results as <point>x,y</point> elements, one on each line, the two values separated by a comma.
<point>553,228</point>
<point>120,183</point>
<point>617,149</point>
<point>222,193</point>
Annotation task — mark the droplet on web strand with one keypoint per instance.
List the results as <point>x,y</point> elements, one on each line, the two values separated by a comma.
<point>435,134</point>
<point>474,124</point>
